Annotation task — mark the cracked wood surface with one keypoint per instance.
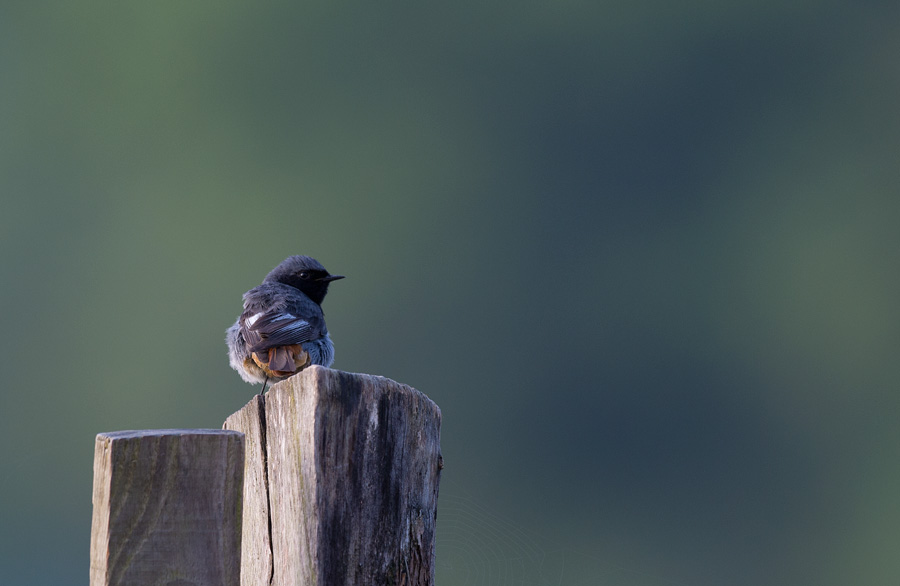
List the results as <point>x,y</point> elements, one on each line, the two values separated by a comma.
<point>345,472</point>
<point>256,561</point>
<point>167,508</point>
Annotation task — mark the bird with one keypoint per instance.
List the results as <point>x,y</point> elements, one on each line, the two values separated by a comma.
<point>281,329</point>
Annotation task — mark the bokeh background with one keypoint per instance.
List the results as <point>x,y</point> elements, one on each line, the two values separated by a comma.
<point>644,255</point>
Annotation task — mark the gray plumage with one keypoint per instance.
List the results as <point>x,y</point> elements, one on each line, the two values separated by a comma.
<point>281,329</point>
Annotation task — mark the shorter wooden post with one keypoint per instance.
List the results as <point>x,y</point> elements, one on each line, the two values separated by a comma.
<point>342,482</point>
<point>167,508</point>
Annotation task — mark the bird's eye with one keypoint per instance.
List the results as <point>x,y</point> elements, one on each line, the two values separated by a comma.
<point>303,274</point>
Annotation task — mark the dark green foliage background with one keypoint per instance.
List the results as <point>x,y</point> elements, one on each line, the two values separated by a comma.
<point>644,255</point>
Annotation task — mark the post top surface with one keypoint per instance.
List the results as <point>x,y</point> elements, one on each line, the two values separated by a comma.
<point>136,433</point>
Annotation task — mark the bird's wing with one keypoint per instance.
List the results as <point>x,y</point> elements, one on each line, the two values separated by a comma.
<point>275,328</point>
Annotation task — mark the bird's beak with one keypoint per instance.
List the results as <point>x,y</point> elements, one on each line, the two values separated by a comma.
<point>330,278</point>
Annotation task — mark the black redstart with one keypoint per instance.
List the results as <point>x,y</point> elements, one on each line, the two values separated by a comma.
<point>282,328</point>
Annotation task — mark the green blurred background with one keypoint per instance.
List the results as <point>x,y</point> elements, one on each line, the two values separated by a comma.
<point>642,254</point>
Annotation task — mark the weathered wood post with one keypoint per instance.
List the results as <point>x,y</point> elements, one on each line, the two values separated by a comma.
<point>341,487</point>
<point>167,508</point>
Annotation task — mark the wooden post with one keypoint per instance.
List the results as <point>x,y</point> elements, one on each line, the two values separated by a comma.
<point>349,465</point>
<point>256,545</point>
<point>167,508</point>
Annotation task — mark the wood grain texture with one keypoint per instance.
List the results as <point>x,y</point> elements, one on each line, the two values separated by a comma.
<point>256,562</point>
<point>353,465</point>
<point>167,508</point>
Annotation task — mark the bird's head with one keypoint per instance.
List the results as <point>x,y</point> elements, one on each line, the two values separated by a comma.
<point>304,273</point>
